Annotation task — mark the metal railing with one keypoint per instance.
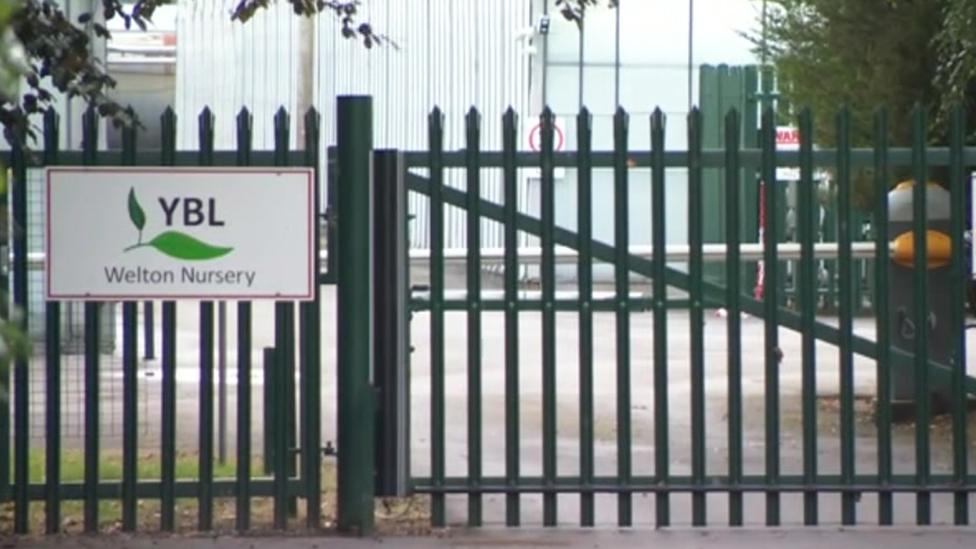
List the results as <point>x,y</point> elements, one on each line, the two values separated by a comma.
<point>179,474</point>
<point>360,377</point>
<point>740,168</point>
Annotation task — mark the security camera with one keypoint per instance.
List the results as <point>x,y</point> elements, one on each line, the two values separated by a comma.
<point>544,25</point>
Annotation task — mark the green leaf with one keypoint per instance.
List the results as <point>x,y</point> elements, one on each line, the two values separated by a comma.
<point>183,246</point>
<point>136,214</point>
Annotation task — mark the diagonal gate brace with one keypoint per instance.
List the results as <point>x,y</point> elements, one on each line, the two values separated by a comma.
<point>677,279</point>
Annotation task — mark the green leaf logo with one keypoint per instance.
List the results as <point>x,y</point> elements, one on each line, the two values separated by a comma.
<point>183,246</point>
<point>172,243</point>
<point>136,214</point>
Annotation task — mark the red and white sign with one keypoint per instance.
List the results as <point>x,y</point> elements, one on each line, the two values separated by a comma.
<point>757,292</point>
<point>787,139</point>
<point>535,137</point>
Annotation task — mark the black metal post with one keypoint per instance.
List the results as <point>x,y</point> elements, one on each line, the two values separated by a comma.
<point>389,323</point>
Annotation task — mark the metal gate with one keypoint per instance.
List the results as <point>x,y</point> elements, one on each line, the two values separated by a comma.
<point>556,392</point>
<point>623,401</point>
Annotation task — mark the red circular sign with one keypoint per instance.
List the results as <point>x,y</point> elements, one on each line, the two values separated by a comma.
<point>535,138</point>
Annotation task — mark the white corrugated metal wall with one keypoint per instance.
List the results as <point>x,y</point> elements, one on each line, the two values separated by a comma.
<point>615,62</point>
<point>450,54</point>
<point>447,53</point>
<point>226,65</point>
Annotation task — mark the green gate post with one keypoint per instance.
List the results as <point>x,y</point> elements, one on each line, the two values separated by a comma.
<point>355,330</point>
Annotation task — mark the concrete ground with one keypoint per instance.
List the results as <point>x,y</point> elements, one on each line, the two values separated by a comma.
<point>605,415</point>
<point>562,538</point>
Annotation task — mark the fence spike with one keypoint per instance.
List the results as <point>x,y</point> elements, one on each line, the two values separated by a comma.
<point>435,125</point>
<point>509,120</point>
<point>808,208</point>
<point>549,352</point>
<point>696,314</point>
<point>167,120</point>
<point>662,504</point>
<point>959,278</point>
<point>472,120</point>
<point>282,127</point>
<point>473,285</point>
<point>845,320</point>
<point>770,298</point>
<point>547,122</point>
<point>584,224</point>
<point>52,122</point>
<point>621,118</point>
<point>920,281</point>
<point>206,136</point>
<point>89,131</point>
<point>511,273</point>
<point>658,119</point>
<point>282,130</point>
<point>621,285</point>
<point>435,134</point>
<point>129,134</point>
<point>733,292</point>
<point>206,121</point>
<point>881,308</point>
<point>312,119</point>
<point>313,122</point>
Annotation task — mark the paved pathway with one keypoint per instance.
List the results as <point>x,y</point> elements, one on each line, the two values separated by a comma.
<point>676,539</point>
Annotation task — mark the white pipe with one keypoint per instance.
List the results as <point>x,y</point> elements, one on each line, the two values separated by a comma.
<point>141,60</point>
<point>144,50</point>
<point>673,252</point>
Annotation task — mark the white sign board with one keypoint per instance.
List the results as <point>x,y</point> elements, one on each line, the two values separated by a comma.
<point>171,233</point>
<point>787,139</point>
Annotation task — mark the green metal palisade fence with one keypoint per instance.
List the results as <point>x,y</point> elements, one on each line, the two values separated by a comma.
<point>282,480</point>
<point>426,177</point>
<point>292,454</point>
